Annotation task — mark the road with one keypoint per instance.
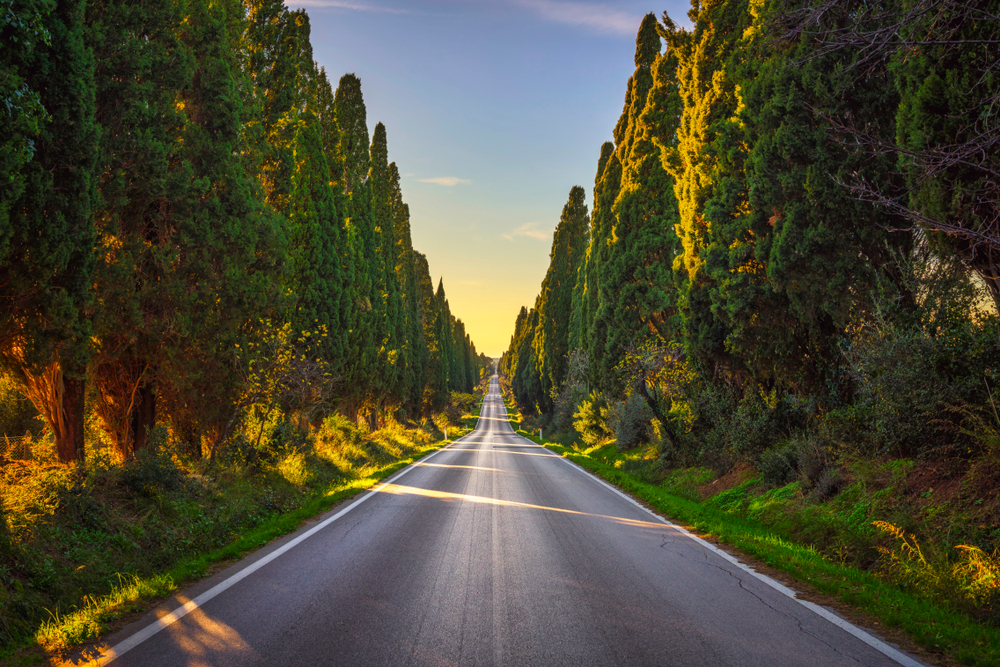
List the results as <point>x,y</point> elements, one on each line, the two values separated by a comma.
<point>492,551</point>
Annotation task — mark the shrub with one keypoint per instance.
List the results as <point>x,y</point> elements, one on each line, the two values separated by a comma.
<point>17,414</point>
<point>777,464</point>
<point>151,471</point>
<point>590,420</point>
<point>969,578</point>
<point>742,426</point>
<point>904,379</point>
<point>628,421</point>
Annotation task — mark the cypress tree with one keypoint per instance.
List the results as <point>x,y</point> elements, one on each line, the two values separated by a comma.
<point>413,345</point>
<point>226,271</point>
<point>46,222</point>
<point>352,147</point>
<point>385,191</point>
<point>438,344</point>
<point>428,319</point>
<point>461,380</point>
<point>639,301</point>
<point>141,67</point>
<point>353,157</point>
<point>316,236</point>
<point>804,243</point>
<point>526,384</point>
<point>587,288</point>
<point>508,360</point>
<point>706,163</point>
<point>606,190</point>
<point>569,244</point>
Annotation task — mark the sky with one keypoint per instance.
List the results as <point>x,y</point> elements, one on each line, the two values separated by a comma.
<point>493,110</point>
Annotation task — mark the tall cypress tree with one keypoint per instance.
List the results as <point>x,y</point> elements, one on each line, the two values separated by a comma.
<point>385,189</point>
<point>508,360</point>
<point>569,245</point>
<point>526,384</point>
<point>46,225</point>
<point>226,265</point>
<point>316,236</point>
<point>606,189</point>
<point>706,162</point>
<point>413,347</point>
<point>804,243</point>
<point>435,371</point>
<point>637,276</point>
<point>141,66</point>
<point>587,288</point>
<point>353,157</point>
<point>439,349</point>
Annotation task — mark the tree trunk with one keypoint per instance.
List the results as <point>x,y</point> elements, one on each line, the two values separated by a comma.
<point>70,446</point>
<point>143,417</point>
<point>61,401</point>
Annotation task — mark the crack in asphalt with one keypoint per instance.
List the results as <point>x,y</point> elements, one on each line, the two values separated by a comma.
<point>798,621</point>
<point>674,551</point>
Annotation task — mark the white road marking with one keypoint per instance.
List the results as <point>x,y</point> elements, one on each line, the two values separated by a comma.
<point>134,640</point>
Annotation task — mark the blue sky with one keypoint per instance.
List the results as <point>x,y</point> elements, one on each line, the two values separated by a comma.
<point>493,111</point>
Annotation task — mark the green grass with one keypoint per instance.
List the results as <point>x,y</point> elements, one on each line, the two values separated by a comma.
<point>931,624</point>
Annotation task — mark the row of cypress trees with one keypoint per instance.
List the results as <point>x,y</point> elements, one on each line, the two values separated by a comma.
<point>178,178</point>
<point>773,172</point>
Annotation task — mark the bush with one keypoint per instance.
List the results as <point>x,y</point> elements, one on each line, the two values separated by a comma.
<point>628,421</point>
<point>804,458</point>
<point>459,404</point>
<point>565,406</point>
<point>743,427</point>
<point>590,420</point>
<point>905,379</point>
<point>777,465</point>
<point>17,414</point>
<point>152,470</point>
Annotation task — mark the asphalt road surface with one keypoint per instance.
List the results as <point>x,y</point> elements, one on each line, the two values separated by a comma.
<point>492,551</point>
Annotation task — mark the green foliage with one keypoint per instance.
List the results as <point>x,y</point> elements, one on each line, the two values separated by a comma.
<point>590,420</point>
<point>637,284</point>
<point>628,421</point>
<point>551,339</point>
<point>905,378</point>
<point>17,415</point>
<point>47,178</point>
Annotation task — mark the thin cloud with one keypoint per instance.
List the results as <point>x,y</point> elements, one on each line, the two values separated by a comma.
<point>447,181</point>
<point>529,229</point>
<point>345,4</point>
<point>601,18</point>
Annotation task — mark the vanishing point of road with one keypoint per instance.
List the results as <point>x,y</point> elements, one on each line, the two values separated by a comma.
<point>492,551</point>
